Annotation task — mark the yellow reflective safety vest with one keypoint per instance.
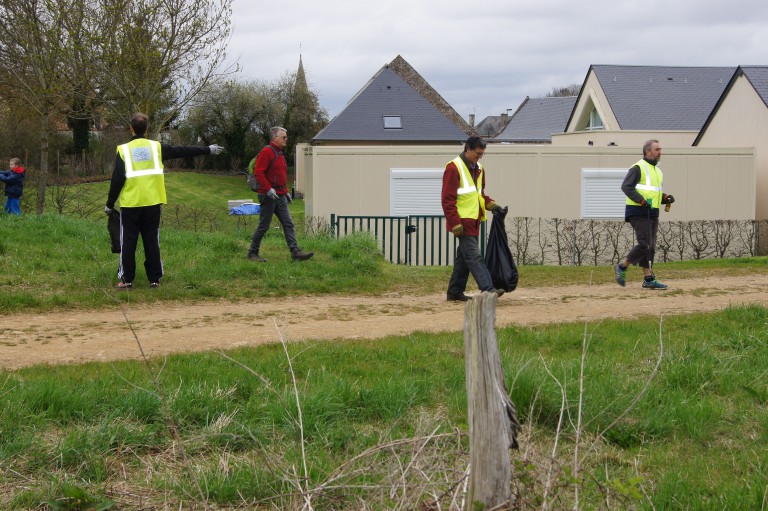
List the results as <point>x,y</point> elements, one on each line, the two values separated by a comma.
<point>469,199</point>
<point>144,180</point>
<point>649,185</point>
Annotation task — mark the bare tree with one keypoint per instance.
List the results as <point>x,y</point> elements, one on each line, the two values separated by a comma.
<point>167,53</point>
<point>31,59</point>
<point>564,91</point>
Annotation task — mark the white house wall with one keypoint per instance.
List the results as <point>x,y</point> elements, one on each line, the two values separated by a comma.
<point>540,181</point>
<point>742,121</point>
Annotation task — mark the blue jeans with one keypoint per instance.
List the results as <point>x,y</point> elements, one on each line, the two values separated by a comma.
<point>278,208</point>
<point>12,206</point>
<point>469,260</point>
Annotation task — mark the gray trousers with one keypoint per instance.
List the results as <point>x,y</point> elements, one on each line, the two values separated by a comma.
<point>278,208</point>
<point>645,233</point>
<point>469,260</point>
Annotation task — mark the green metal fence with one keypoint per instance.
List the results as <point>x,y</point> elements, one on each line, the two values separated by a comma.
<point>415,240</point>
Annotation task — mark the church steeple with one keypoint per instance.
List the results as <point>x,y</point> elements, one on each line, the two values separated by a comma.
<point>300,87</point>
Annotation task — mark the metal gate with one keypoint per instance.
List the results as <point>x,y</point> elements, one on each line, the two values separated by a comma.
<point>415,240</point>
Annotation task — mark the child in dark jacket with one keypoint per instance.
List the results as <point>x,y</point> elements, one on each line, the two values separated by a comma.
<point>14,186</point>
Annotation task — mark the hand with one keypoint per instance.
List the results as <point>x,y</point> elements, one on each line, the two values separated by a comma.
<point>272,194</point>
<point>647,202</point>
<point>670,199</point>
<point>288,198</point>
<point>108,210</point>
<point>215,149</point>
<point>458,230</point>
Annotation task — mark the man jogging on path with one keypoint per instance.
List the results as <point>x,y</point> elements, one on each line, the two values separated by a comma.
<point>642,186</point>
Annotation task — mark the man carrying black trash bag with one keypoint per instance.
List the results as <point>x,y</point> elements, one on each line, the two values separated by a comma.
<point>498,257</point>
<point>464,205</point>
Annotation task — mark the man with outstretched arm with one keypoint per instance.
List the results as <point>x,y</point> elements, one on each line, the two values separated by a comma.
<point>139,185</point>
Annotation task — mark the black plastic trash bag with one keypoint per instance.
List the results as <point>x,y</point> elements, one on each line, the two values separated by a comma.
<point>113,227</point>
<point>498,258</point>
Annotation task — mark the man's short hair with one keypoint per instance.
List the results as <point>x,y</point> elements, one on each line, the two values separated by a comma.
<point>274,132</point>
<point>474,143</point>
<point>139,123</point>
<point>15,161</point>
<point>648,144</point>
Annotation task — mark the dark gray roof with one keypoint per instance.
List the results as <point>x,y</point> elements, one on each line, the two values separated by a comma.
<point>536,119</point>
<point>758,77</point>
<point>662,97</point>
<point>490,126</point>
<point>384,95</point>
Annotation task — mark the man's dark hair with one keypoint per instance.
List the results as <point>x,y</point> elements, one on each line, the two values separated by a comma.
<point>139,123</point>
<point>474,143</point>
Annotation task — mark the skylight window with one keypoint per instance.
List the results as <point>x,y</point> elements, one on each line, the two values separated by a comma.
<point>392,122</point>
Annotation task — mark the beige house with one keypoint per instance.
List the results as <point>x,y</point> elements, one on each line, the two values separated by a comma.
<point>715,173</point>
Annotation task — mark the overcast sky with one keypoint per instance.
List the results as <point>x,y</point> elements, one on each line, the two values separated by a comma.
<point>486,57</point>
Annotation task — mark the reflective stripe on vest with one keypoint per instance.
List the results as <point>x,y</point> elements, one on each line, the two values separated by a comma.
<point>649,185</point>
<point>469,200</point>
<point>144,180</point>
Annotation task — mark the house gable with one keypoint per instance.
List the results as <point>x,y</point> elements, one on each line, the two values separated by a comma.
<point>396,105</point>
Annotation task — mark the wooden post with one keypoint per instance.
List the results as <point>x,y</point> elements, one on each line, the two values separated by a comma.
<point>492,416</point>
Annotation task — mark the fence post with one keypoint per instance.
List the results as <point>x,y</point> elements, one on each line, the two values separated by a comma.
<point>491,414</point>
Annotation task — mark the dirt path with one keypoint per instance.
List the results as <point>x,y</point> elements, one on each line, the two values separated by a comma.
<point>71,337</point>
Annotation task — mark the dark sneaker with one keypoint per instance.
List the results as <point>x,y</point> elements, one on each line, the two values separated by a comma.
<point>654,284</point>
<point>499,292</point>
<point>254,256</point>
<point>154,285</point>
<point>301,256</point>
<point>458,298</point>
<point>123,285</point>
<point>621,275</point>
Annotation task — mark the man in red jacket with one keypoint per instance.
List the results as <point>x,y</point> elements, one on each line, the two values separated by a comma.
<point>271,172</point>
<point>464,204</point>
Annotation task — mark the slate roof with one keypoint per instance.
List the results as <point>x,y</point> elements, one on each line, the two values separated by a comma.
<point>396,90</point>
<point>758,77</point>
<point>490,126</point>
<point>662,97</point>
<point>536,119</point>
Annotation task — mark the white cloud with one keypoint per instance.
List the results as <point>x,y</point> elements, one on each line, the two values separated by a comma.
<point>485,58</point>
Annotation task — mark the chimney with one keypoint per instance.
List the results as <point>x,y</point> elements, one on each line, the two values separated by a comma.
<point>472,120</point>
<point>504,117</point>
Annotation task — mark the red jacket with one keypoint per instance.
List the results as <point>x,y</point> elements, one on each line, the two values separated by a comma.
<point>271,170</point>
<point>448,198</point>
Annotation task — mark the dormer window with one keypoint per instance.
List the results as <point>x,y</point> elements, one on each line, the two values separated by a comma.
<point>392,122</point>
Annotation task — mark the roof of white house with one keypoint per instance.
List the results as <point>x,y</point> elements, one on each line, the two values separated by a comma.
<point>661,97</point>
<point>536,119</point>
<point>396,104</point>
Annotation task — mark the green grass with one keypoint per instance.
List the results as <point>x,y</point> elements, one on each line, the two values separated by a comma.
<point>698,435</point>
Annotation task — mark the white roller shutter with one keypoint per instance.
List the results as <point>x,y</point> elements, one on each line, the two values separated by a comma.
<point>601,195</point>
<point>415,192</point>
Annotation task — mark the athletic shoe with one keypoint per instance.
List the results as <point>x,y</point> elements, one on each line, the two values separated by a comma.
<point>621,275</point>
<point>298,255</point>
<point>154,285</point>
<point>654,284</point>
<point>254,256</point>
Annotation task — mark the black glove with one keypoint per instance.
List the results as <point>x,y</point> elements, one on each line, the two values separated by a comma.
<point>288,198</point>
<point>107,210</point>
<point>670,199</point>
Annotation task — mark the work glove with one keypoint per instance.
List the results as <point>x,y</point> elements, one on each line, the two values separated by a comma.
<point>272,194</point>
<point>669,199</point>
<point>288,198</point>
<point>107,210</point>
<point>647,202</point>
<point>458,230</point>
<point>215,149</point>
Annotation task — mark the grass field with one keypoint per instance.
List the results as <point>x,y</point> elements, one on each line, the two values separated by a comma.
<point>370,424</point>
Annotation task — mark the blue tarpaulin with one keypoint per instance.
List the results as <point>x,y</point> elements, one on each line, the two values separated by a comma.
<point>245,209</point>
